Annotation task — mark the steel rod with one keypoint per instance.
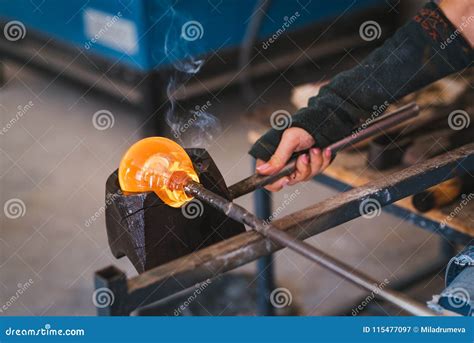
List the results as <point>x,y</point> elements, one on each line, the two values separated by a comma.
<point>386,122</point>
<point>266,229</point>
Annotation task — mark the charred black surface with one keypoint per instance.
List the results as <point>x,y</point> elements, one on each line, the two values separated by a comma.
<point>150,233</point>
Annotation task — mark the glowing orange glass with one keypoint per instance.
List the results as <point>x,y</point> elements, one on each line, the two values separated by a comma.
<point>160,165</point>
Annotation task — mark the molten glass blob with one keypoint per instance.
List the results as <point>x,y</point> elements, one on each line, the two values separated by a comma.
<point>160,165</point>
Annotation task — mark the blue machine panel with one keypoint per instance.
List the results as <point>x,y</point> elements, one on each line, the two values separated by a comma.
<point>148,34</point>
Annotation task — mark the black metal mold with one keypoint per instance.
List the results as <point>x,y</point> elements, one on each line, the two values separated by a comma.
<point>150,233</point>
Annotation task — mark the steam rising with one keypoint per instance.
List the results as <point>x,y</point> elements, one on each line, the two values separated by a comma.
<point>195,127</point>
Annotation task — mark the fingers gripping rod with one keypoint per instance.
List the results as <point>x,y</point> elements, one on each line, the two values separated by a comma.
<point>386,122</point>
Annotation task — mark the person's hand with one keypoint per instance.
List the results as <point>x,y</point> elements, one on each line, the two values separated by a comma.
<point>307,165</point>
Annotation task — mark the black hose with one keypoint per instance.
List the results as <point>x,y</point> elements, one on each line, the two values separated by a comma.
<point>245,55</point>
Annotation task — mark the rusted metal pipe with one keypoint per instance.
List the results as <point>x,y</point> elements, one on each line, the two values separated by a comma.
<point>386,122</point>
<point>266,229</point>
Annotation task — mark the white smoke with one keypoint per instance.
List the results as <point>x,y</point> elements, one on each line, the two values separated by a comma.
<point>196,127</point>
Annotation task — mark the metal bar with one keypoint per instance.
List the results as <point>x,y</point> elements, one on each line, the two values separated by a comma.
<point>186,271</point>
<point>265,270</point>
<point>444,230</point>
<point>265,285</point>
<point>388,121</point>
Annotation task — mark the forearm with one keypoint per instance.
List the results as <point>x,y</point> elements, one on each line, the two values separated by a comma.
<point>419,53</point>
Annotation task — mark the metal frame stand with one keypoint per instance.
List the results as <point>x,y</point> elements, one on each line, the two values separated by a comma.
<point>170,278</point>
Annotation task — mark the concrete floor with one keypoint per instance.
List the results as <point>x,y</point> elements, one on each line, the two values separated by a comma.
<point>56,163</point>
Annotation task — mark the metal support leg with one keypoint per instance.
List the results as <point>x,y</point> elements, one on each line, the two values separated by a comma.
<point>265,278</point>
<point>2,73</point>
